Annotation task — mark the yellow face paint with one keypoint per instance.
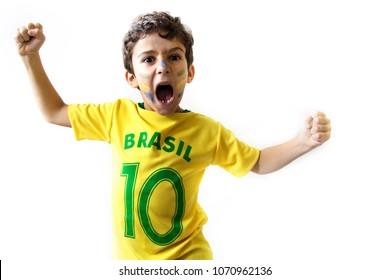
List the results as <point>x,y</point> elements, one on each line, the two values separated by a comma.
<point>182,82</point>
<point>144,88</point>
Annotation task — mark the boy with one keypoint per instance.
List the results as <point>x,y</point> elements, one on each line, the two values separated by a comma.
<point>160,150</point>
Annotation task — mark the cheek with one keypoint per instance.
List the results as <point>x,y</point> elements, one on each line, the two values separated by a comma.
<point>182,82</point>
<point>143,75</point>
<point>149,96</point>
<point>182,72</point>
<point>144,88</point>
<point>182,75</point>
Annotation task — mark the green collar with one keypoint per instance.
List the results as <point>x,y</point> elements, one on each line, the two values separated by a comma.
<point>142,105</point>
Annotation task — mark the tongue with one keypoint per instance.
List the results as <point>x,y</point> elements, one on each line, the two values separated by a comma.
<point>164,93</point>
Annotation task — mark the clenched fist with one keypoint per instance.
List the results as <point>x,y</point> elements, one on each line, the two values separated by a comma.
<point>317,129</point>
<point>29,39</point>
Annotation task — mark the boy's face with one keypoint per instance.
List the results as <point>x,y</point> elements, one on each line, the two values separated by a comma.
<point>160,72</point>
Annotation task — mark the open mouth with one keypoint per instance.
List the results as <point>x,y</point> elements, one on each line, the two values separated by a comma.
<point>164,94</point>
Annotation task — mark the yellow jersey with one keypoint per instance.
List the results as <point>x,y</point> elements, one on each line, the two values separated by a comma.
<point>158,163</point>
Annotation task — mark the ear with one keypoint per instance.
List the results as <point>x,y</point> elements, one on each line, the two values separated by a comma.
<point>191,74</point>
<point>131,79</point>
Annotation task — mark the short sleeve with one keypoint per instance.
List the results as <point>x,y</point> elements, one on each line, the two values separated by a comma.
<point>234,155</point>
<point>91,121</point>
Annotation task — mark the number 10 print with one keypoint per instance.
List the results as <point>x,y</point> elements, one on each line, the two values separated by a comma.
<point>130,171</point>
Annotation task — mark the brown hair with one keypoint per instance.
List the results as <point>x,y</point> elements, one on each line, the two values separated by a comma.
<point>167,26</point>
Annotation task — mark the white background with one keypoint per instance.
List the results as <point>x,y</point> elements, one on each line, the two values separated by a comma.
<point>261,67</point>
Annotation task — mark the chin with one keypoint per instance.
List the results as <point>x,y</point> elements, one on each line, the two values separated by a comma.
<point>163,107</point>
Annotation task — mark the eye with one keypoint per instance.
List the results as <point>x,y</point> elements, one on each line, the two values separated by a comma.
<point>175,57</point>
<point>148,59</point>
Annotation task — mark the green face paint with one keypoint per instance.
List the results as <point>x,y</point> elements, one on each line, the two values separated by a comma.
<point>181,72</point>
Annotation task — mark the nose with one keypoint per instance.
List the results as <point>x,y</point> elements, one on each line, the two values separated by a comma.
<point>162,67</point>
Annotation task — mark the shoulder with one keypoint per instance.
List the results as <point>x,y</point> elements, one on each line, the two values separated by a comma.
<point>203,123</point>
<point>201,118</point>
<point>123,103</point>
<point>118,102</point>
<point>106,109</point>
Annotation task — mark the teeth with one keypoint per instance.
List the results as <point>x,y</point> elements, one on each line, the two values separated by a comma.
<point>166,101</point>
<point>165,94</point>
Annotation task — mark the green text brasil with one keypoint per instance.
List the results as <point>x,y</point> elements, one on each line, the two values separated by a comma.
<point>168,144</point>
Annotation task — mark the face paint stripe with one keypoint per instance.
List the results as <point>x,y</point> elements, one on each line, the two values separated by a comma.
<point>149,96</point>
<point>143,75</point>
<point>181,72</point>
<point>181,83</point>
<point>144,87</point>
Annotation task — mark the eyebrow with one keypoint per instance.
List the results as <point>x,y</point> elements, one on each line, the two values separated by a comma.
<point>169,51</point>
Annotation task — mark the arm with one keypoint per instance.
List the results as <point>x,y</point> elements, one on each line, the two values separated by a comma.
<point>29,39</point>
<point>316,132</point>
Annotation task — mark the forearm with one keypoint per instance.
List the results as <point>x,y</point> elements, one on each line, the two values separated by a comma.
<point>49,101</point>
<point>276,157</point>
<point>316,131</point>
